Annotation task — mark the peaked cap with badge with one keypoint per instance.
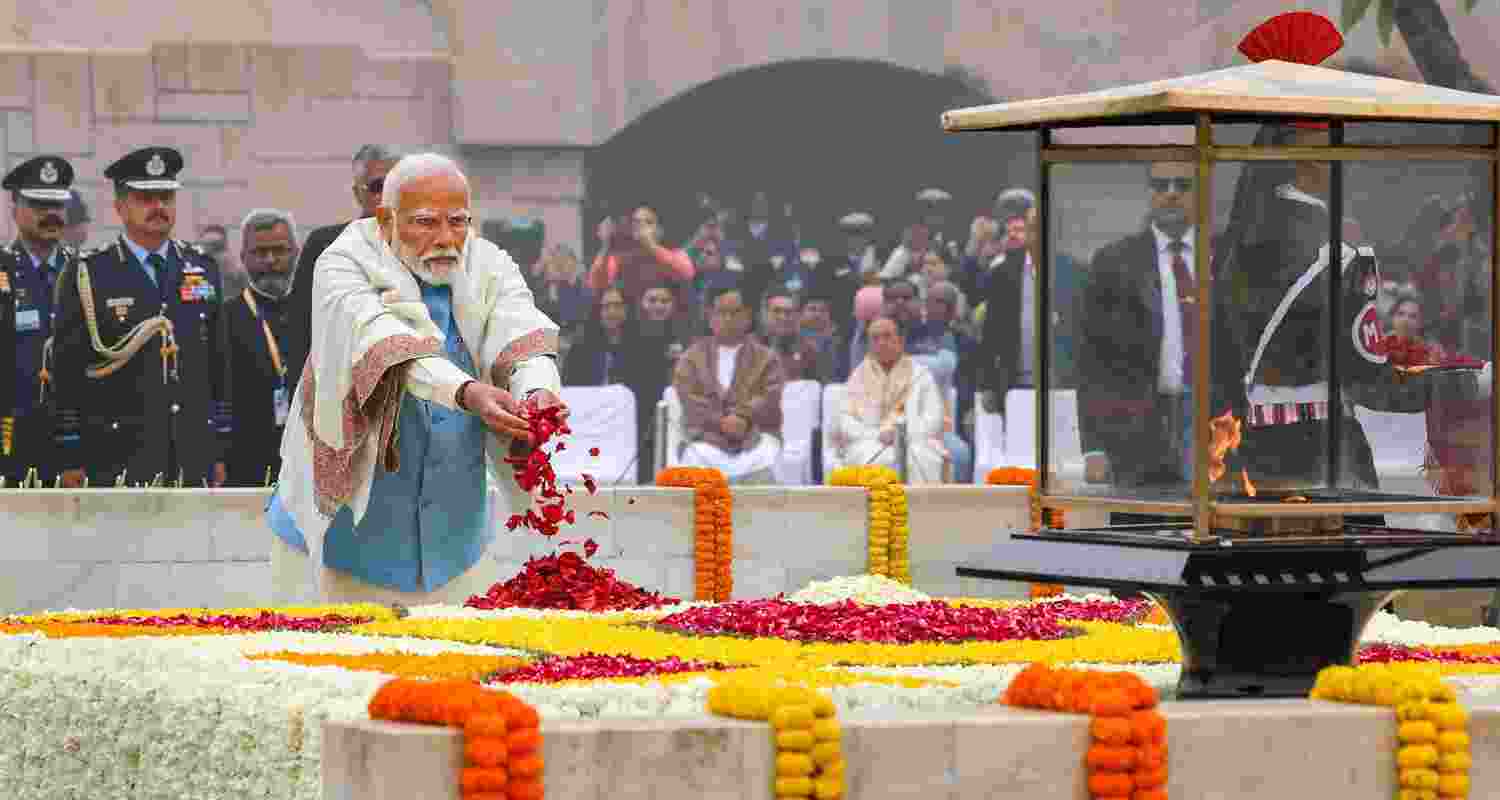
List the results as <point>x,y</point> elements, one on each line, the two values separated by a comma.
<point>149,169</point>
<point>44,178</point>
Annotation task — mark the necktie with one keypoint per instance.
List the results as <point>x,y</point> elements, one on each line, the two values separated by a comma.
<point>158,273</point>
<point>1186,303</point>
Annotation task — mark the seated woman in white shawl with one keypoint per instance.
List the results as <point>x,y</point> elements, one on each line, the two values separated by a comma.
<point>888,388</point>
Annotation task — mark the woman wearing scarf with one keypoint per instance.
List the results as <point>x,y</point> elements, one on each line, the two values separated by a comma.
<point>886,389</point>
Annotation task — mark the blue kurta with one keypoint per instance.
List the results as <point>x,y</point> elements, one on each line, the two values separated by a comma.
<point>427,522</point>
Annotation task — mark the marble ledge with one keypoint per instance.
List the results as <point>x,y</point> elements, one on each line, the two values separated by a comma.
<point>1233,749</point>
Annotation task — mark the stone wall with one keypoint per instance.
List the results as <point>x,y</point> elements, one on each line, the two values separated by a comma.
<point>258,124</point>
<point>128,548</point>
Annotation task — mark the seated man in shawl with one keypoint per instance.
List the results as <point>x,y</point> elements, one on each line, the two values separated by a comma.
<point>888,388</point>
<point>427,354</point>
<point>730,388</point>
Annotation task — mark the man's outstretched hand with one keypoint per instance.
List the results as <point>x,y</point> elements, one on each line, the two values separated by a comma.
<point>499,410</point>
<point>544,398</point>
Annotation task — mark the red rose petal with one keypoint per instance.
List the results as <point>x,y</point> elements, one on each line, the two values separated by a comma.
<point>594,451</point>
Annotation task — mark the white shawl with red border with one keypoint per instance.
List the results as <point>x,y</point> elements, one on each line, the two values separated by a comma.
<point>369,323</point>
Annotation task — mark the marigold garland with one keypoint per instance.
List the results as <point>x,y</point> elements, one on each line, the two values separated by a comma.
<point>444,666</point>
<point>1128,756</point>
<point>1433,759</point>
<point>713,529</point>
<point>889,518</point>
<point>502,734</point>
<point>1024,476</point>
<point>805,732</point>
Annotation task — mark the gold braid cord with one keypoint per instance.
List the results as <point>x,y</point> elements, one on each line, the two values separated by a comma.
<point>131,343</point>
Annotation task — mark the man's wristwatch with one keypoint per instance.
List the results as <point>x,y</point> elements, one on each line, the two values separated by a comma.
<point>459,397</point>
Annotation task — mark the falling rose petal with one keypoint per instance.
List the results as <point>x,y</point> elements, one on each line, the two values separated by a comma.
<point>599,514</point>
<point>588,483</point>
<point>594,451</point>
<point>590,547</point>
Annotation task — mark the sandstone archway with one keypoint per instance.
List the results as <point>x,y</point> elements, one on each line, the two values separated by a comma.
<point>828,135</point>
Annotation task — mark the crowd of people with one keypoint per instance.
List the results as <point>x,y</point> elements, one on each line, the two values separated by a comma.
<point>922,319</point>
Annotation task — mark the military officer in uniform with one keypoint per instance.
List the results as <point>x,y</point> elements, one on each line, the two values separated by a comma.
<point>29,270</point>
<point>138,383</point>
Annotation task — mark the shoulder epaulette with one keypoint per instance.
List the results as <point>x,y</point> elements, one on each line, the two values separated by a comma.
<point>89,252</point>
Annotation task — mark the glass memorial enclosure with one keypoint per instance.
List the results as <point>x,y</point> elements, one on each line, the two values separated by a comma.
<point>1226,368</point>
<point>1307,300</point>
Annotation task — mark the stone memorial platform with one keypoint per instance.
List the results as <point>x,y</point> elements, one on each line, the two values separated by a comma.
<point>1220,750</point>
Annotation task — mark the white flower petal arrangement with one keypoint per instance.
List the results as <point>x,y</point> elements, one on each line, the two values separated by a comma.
<point>191,717</point>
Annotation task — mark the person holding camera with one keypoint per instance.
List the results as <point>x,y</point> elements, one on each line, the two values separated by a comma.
<point>632,255</point>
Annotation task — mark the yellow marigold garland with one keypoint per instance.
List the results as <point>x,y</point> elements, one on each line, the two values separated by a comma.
<point>443,666</point>
<point>1023,476</point>
<point>1128,754</point>
<point>502,734</point>
<point>889,518</point>
<point>1433,759</point>
<point>807,737</point>
<point>713,529</point>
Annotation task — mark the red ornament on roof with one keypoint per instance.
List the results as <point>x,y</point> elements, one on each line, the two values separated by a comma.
<point>1301,37</point>
<point>1298,37</point>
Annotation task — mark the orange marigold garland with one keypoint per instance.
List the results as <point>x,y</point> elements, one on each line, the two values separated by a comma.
<point>502,734</point>
<point>713,529</point>
<point>1023,476</point>
<point>889,518</point>
<point>1128,754</point>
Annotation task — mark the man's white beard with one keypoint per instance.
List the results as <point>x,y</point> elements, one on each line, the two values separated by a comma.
<point>420,268</point>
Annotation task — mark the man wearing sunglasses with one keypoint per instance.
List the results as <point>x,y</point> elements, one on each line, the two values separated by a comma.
<point>1136,321</point>
<point>371,163</point>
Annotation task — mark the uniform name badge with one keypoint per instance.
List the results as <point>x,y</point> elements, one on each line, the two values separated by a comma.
<point>281,403</point>
<point>28,320</point>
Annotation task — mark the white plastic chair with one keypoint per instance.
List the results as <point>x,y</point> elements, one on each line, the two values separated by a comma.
<point>674,426</point>
<point>833,406</point>
<point>989,442</point>
<point>801,403</point>
<point>602,417</point>
<point>1020,431</point>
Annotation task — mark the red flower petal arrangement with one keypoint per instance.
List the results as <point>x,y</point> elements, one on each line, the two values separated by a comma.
<point>932,621</point>
<point>592,666</point>
<point>565,581</point>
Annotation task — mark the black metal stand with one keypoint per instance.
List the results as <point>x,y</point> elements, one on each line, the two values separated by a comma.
<point>1256,618</point>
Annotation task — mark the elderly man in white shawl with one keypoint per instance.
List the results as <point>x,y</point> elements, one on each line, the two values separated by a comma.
<point>426,355</point>
<point>889,387</point>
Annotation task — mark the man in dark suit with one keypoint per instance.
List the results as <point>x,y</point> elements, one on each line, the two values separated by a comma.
<point>136,347</point>
<point>1006,289</point>
<point>29,269</point>
<point>1135,331</point>
<point>257,341</point>
<point>371,163</point>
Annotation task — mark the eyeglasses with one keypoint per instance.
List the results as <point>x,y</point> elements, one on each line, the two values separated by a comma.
<point>1180,185</point>
<point>376,186</point>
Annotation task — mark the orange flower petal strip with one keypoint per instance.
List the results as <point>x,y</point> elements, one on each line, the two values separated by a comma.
<point>1128,756</point>
<point>490,720</point>
<point>446,666</point>
<point>713,529</point>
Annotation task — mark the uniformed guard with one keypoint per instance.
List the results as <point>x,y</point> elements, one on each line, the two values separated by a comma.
<point>29,270</point>
<point>138,383</point>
